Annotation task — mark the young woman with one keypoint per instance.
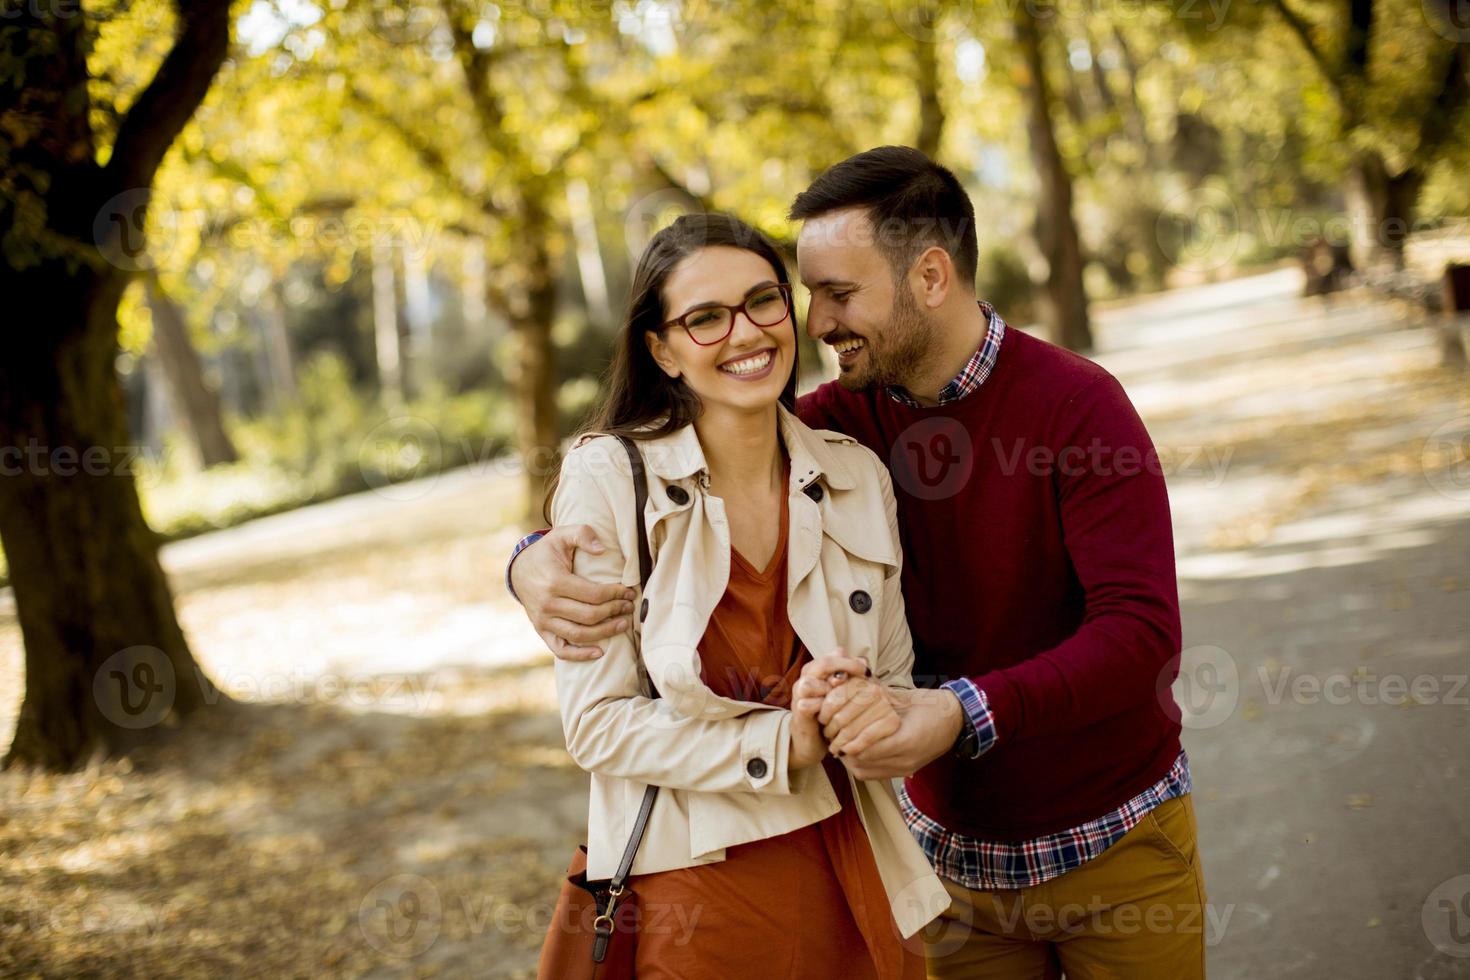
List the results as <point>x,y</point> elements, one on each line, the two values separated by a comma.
<point>762,857</point>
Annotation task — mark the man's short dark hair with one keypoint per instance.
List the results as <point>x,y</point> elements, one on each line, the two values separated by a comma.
<point>912,203</point>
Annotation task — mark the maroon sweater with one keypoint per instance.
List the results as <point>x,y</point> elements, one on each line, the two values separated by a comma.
<point>1038,562</point>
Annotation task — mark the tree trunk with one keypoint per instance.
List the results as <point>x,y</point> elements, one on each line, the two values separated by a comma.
<point>1382,209</point>
<point>1134,118</point>
<point>385,328</point>
<point>590,268</point>
<point>106,661</point>
<point>193,401</point>
<point>1056,228</point>
<point>931,110</point>
<point>105,658</point>
<point>531,312</point>
<point>284,390</point>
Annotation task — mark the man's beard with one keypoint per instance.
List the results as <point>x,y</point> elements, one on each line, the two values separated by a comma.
<point>896,358</point>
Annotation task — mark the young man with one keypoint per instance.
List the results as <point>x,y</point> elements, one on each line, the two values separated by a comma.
<point>1045,779</point>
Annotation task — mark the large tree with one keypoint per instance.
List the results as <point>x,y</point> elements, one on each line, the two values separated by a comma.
<point>105,658</point>
<point>1400,79</point>
<point>1056,226</point>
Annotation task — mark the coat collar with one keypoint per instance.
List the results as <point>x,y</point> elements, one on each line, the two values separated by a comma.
<point>679,455</point>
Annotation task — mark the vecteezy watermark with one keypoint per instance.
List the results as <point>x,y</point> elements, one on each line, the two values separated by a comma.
<point>400,458</point>
<point>411,694</point>
<point>119,920</point>
<point>140,229</point>
<point>1199,229</point>
<point>933,459</point>
<point>1365,687</point>
<point>1445,916</point>
<point>147,17</point>
<point>120,233</point>
<point>401,915</point>
<point>36,458</point>
<point>652,212</point>
<point>1100,917</point>
<point>934,20</point>
<point>1445,459</point>
<point>1058,920</point>
<point>1098,458</point>
<point>894,235</point>
<point>404,914</point>
<point>135,688</point>
<point>1200,688</point>
<point>40,9</point>
<point>402,21</point>
<point>1450,19</point>
<point>1203,228</point>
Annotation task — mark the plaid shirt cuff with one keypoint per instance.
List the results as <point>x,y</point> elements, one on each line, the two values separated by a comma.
<point>977,710</point>
<point>521,546</point>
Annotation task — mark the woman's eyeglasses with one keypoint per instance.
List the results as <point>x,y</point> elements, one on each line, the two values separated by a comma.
<point>711,324</point>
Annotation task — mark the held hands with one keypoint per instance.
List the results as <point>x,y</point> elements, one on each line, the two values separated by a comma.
<point>879,732</point>
<point>818,679</point>
<point>572,614</point>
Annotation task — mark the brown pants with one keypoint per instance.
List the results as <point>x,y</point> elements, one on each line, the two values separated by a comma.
<point>1135,912</point>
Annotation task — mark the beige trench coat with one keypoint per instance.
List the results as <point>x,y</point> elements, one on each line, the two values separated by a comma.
<point>722,763</point>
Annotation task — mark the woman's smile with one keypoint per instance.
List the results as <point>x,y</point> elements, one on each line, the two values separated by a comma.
<point>751,367</point>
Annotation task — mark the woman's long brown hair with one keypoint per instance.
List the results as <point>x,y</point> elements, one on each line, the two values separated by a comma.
<point>639,393</point>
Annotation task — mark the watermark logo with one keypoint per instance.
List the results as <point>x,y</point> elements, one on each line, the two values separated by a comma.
<point>1446,459</point>
<point>396,453</point>
<point>653,212</point>
<point>401,915</point>
<point>1198,229</point>
<point>120,233</point>
<point>931,21</point>
<point>401,21</point>
<point>933,459</point>
<point>1450,19</point>
<point>134,688</point>
<point>1205,691</point>
<point>1445,916</point>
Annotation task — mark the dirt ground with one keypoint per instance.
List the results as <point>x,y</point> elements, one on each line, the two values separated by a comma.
<point>386,793</point>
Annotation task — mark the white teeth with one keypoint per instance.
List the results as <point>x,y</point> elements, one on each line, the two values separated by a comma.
<point>847,346</point>
<point>752,365</point>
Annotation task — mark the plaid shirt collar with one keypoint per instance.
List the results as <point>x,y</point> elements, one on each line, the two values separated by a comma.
<point>975,371</point>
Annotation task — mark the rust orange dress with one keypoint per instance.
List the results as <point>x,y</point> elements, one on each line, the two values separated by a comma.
<point>808,904</point>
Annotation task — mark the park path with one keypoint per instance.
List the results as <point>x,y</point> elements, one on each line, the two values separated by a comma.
<point>1325,585</point>
<point>393,800</point>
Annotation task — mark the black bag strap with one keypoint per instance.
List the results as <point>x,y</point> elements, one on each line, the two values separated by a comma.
<point>640,498</point>
<point>645,569</point>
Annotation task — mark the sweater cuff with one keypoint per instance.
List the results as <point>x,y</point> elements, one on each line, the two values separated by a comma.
<point>521,546</point>
<point>977,710</point>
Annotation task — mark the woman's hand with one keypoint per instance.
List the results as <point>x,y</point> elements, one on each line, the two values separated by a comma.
<point>818,678</point>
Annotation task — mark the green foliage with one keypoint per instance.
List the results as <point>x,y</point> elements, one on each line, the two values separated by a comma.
<point>1002,279</point>
<point>337,440</point>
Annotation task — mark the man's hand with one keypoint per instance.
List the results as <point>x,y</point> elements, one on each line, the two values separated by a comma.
<point>857,715</point>
<point>929,721</point>
<point>570,613</point>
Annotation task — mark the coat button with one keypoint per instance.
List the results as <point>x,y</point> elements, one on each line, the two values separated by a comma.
<point>756,768</point>
<point>813,490</point>
<point>643,611</point>
<point>679,495</point>
<point>860,601</point>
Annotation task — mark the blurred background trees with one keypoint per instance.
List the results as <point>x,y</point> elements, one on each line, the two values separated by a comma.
<point>388,237</point>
